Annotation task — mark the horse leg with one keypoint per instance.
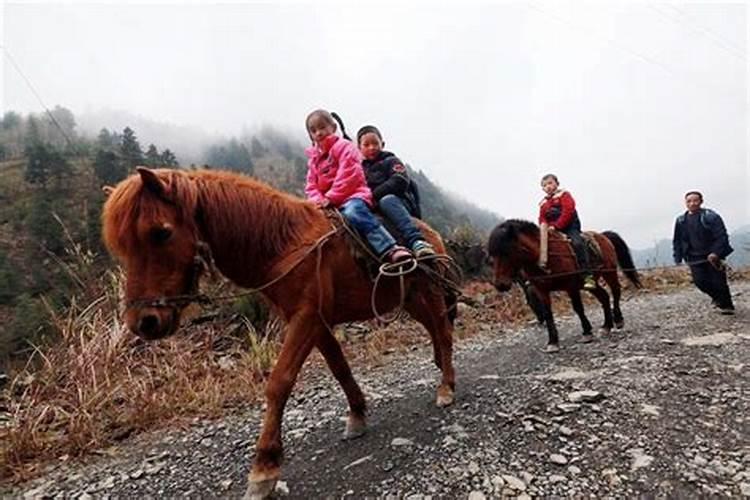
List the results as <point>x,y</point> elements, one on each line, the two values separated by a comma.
<point>553,342</point>
<point>431,312</point>
<point>330,348</point>
<point>614,285</point>
<point>603,298</point>
<point>301,334</point>
<point>575,299</point>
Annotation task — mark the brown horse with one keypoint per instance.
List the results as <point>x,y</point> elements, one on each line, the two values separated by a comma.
<point>514,249</point>
<point>160,223</point>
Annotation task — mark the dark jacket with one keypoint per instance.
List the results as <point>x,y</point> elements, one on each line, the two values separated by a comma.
<point>385,175</point>
<point>712,233</point>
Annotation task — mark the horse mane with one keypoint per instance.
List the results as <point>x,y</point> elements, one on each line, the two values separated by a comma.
<point>215,202</point>
<point>505,234</point>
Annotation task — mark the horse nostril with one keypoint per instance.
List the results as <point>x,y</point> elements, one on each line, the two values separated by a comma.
<point>148,324</point>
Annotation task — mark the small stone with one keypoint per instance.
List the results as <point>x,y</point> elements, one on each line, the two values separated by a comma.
<point>647,409</point>
<point>281,488</point>
<point>556,478</point>
<point>574,470</point>
<point>514,483</point>
<point>745,489</point>
<point>473,468</point>
<point>137,474</point>
<point>497,482</point>
<point>640,459</point>
<point>568,407</point>
<point>558,459</point>
<point>527,477</point>
<point>565,430</point>
<point>401,442</point>
<point>225,484</point>
<point>476,495</point>
<point>585,396</point>
<point>523,496</point>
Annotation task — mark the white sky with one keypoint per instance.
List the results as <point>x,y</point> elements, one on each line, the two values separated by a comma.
<point>631,104</point>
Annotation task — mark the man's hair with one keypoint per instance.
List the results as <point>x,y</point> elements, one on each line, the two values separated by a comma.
<point>700,195</point>
<point>550,176</point>
<point>368,129</point>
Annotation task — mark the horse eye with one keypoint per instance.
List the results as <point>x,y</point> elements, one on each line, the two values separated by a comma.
<point>160,234</point>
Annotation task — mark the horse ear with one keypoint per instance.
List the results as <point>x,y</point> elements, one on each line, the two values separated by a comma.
<point>107,190</point>
<point>151,180</point>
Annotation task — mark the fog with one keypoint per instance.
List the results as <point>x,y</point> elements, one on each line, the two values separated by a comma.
<point>630,104</point>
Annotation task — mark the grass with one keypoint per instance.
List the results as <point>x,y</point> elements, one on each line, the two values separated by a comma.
<point>96,384</point>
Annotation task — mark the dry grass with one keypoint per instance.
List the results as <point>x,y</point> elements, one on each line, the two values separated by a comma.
<point>97,384</point>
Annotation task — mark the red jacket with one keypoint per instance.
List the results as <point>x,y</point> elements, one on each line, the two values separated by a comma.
<point>336,176</point>
<point>557,210</point>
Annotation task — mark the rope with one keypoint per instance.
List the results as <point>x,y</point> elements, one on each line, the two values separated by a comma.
<point>206,299</point>
<point>723,266</point>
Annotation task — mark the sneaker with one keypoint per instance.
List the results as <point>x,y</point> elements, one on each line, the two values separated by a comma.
<point>398,254</point>
<point>728,311</point>
<point>589,283</point>
<point>422,249</point>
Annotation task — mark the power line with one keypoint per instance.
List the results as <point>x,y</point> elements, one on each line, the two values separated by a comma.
<point>638,55</point>
<point>726,47</point>
<point>36,94</point>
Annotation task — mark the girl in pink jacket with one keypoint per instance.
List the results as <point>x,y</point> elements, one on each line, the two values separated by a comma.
<point>335,179</point>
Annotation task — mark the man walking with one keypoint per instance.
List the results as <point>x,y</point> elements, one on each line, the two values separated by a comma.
<point>700,239</point>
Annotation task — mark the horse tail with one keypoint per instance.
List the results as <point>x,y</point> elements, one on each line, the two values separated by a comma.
<point>624,258</point>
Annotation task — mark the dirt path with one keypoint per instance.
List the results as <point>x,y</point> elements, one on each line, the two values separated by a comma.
<point>660,408</point>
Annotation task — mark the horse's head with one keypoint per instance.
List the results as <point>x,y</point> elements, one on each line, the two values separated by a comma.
<point>511,247</point>
<point>149,225</point>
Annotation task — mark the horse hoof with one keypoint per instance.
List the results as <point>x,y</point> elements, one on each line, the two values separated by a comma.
<point>552,348</point>
<point>586,339</point>
<point>444,397</point>
<point>260,489</point>
<point>355,427</point>
<point>619,325</point>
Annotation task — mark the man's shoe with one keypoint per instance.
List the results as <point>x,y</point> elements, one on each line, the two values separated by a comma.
<point>727,311</point>
<point>589,283</point>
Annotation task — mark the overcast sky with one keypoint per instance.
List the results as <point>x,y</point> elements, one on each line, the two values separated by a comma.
<point>630,104</point>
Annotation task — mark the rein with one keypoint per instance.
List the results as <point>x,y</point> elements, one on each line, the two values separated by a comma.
<point>204,260</point>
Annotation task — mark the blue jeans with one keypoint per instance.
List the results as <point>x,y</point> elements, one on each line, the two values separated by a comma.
<point>358,214</point>
<point>394,209</point>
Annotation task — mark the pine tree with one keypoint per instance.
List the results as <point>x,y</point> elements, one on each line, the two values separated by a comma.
<point>153,158</point>
<point>168,159</point>
<point>130,150</point>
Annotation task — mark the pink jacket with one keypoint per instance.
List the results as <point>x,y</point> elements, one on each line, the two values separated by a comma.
<point>337,176</point>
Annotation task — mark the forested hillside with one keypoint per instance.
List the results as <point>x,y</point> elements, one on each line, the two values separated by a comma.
<point>50,205</point>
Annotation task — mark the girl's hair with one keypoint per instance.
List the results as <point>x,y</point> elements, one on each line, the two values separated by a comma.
<point>331,118</point>
<point>368,129</point>
<point>550,176</point>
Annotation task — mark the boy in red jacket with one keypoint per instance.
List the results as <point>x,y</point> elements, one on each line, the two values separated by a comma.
<point>558,210</point>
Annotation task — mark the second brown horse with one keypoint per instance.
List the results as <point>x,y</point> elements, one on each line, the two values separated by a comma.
<point>514,248</point>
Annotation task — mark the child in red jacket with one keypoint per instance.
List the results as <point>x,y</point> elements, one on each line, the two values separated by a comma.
<point>558,210</point>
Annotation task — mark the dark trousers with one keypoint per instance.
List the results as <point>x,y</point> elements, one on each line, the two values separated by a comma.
<point>393,207</point>
<point>579,247</point>
<point>713,283</point>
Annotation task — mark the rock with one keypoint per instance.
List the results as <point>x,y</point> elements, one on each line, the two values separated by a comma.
<point>473,468</point>
<point>699,461</point>
<point>527,477</point>
<point>556,478</point>
<point>574,470</point>
<point>523,496</point>
<point>745,489</point>
<point>225,484</point>
<point>647,409</point>
<point>565,431</point>
<point>558,459</point>
<point>640,459</point>
<point>402,442</point>
<point>514,483</point>
<point>568,407</point>
<point>137,474</point>
<point>449,441</point>
<point>358,462</point>
<point>497,482</point>
<point>585,396</point>
<point>715,340</point>
<point>281,488</point>
<point>476,495</point>
<point>612,477</point>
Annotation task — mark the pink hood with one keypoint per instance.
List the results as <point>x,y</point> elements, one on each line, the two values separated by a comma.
<point>336,176</point>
